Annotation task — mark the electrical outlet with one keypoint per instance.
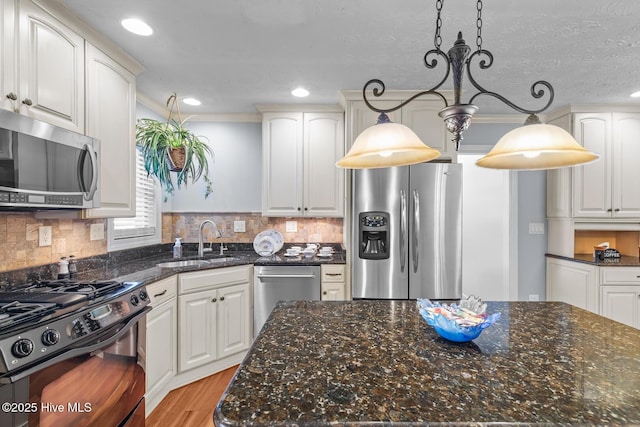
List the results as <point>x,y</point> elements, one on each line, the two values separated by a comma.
<point>97,232</point>
<point>44,235</point>
<point>534,298</point>
<point>239,227</point>
<point>291,226</point>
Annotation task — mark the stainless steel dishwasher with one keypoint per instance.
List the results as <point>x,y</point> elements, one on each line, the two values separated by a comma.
<point>275,283</point>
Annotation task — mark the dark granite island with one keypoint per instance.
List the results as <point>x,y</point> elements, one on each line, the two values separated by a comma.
<point>378,362</point>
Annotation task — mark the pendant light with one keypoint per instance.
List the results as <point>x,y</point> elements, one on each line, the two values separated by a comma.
<point>533,146</point>
<point>387,144</point>
<point>536,146</point>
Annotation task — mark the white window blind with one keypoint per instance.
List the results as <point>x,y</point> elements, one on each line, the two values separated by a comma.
<point>145,223</point>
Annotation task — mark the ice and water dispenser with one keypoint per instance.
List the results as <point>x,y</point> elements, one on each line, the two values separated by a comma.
<point>373,235</point>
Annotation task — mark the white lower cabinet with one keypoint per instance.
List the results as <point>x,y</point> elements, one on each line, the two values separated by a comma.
<point>621,303</point>
<point>160,338</point>
<point>214,315</point>
<point>620,294</point>
<point>572,282</point>
<point>200,324</point>
<point>612,292</point>
<point>333,282</point>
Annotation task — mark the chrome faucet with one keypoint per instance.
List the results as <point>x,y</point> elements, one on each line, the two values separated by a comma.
<point>201,235</point>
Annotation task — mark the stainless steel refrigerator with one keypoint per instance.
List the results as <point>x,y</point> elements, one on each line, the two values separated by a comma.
<point>407,232</point>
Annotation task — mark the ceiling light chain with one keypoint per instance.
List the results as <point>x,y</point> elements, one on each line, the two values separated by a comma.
<point>437,39</point>
<point>479,26</point>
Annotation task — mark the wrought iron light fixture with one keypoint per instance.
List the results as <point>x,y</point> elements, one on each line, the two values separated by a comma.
<point>533,146</point>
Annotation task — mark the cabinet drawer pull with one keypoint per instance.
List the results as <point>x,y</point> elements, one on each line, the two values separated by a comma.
<point>333,274</point>
<point>214,299</point>
<point>12,96</point>
<point>27,102</point>
<point>160,294</point>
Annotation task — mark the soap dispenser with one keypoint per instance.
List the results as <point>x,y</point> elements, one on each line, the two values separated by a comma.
<point>177,249</point>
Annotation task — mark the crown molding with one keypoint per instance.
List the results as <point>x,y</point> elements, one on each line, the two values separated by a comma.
<point>299,108</point>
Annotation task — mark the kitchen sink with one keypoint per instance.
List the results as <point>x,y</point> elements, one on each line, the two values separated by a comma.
<point>186,263</point>
<point>195,262</point>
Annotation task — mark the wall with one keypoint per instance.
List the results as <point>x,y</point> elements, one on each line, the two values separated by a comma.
<point>235,171</point>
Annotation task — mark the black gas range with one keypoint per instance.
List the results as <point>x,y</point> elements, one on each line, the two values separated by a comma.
<point>42,319</point>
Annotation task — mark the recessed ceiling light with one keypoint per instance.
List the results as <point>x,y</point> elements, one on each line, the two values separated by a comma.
<point>191,101</point>
<point>300,92</point>
<point>136,26</point>
<point>635,94</point>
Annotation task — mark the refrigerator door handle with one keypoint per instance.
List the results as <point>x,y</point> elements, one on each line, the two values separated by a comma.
<point>416,230</point>
<point>403,229</point>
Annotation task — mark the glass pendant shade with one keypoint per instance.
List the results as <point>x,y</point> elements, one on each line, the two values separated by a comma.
<point>536,146</point>
<point>387,144</point>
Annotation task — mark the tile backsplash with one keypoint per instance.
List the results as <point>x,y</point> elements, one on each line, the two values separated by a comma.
<point>19,234</point>
<point>186,226</point>
<point>19,240</point>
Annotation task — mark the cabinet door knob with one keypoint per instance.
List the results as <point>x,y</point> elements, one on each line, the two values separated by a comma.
<point>617,209</point>
<point>324,293</point>
<point>221,298</point>
<point>214,299</point>
<point>27,102</point>
<point>306,209</point>
<point>609,210</point>
<point>298,208</point>
<point>12,96</point>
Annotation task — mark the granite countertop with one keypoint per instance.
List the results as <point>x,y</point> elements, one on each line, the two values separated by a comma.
<point>140,265</point>
<point>364,362</point>
<point>625,260</point>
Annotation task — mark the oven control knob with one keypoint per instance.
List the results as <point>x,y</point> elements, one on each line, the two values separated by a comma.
<point>22,348</point>
<point>50,337</point>
<point>143,295</point>
<point>134,300</point>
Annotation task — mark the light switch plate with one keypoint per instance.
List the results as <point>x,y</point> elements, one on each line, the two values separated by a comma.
<point>536,228</point>
<point>239,227</point>
<point>97,232</point>
<point>291,226</point>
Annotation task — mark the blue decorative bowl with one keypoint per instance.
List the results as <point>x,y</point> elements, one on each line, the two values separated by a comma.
<point>450,329</point>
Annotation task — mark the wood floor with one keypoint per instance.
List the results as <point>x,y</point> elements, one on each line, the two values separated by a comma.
<point>193,404</point>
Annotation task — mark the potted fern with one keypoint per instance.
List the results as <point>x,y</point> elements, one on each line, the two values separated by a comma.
<point>170,147</point>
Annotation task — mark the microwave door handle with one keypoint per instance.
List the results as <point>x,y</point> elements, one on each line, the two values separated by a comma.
<point>94,176</point>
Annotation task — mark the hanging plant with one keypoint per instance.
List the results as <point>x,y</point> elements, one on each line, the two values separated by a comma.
<point>170,147</point>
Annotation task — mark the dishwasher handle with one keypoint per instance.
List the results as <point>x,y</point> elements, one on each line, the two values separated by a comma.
<point>286,276</point>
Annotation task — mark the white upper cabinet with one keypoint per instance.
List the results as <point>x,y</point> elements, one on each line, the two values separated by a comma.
<point>51,69</point>
<point>300,177</point>
<point>609,188</point>
<point>111,103</point>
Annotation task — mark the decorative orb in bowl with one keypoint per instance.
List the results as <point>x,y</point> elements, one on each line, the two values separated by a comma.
<point>461,322</point>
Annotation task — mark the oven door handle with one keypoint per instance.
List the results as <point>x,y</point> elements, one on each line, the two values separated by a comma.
<point>83,348</point>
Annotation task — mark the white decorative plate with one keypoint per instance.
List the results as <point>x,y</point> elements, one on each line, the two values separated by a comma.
<point>268,242</point>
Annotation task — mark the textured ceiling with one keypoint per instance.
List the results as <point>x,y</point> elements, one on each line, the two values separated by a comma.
<point>234,54</point>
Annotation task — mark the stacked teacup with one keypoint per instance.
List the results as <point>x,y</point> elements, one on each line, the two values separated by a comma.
<point>326,251</point>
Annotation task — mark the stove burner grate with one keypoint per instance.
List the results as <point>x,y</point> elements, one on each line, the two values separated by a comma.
<point>14,313</point>
<point>91,289</point>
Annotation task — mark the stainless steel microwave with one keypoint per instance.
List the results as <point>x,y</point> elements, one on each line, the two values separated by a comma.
<point>45,167</point>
